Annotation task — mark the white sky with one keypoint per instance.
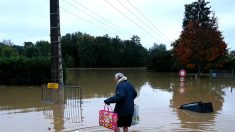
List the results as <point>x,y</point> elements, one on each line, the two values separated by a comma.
<point>28,20</point>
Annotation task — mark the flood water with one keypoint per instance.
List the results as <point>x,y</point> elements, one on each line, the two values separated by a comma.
<point>159,97</point>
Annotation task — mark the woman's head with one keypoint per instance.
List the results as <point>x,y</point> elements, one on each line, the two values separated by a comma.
<point>118,76</point>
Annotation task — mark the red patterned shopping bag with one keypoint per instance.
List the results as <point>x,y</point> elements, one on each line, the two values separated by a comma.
<point>108,119</point>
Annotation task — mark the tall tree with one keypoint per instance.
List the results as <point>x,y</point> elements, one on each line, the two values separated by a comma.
<point>197,12</point>
<point>134,54</point>
<point>7,49</point>
<point>160,58</point>
<point>30,50</point>
<point>44,47</point>
<point>201,45</point>
<point>69,44</point>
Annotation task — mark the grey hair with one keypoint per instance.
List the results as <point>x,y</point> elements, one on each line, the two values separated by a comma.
<point>119,75</point>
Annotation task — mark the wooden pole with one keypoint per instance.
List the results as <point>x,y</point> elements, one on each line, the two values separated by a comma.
<point>56,56</point>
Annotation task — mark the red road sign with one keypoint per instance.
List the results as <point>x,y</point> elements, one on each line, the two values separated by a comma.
<point>182,73</point>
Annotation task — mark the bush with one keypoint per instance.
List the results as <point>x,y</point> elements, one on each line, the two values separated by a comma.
<point>25,71</point>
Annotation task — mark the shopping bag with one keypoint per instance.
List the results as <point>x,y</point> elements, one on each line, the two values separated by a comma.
<point>135,117</point>
<point>108,119</point>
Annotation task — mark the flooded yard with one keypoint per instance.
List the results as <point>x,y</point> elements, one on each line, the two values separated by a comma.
<point>159,97</point>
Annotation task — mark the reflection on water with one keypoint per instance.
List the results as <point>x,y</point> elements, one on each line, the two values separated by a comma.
<point>159,96</point>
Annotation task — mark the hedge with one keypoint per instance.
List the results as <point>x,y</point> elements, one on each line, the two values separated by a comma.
<point>25,71</point>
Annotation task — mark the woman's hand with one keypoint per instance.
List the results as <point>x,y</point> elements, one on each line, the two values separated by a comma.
<point>106,102</point>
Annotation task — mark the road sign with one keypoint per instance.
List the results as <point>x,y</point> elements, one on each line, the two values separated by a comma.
<point>53,85</point>
<point>182,73</point>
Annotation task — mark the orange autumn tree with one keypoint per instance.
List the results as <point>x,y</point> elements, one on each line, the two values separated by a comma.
<point>201,44</point>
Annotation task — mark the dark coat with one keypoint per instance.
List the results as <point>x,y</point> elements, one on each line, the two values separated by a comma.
<point>124,98</point>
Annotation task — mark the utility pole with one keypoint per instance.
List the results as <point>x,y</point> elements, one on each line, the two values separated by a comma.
<point>56,65</point>
<point>56,56</point>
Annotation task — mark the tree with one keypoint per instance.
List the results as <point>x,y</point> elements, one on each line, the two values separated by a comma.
<point>135,39</point>
<point>7,50</point>
<point>197,12</point>
<point>43,47</point>
<point>28,44</point>
<point>160,59</point>
<point>133,54</point>
<point>30,50</point>
<point>118,48</point>
<point>87,52</point>
<point>201,44</point>
<point>69,46</point>
<point>7,42</point>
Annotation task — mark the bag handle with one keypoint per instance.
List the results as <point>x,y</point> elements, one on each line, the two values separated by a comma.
<point>108,106</point>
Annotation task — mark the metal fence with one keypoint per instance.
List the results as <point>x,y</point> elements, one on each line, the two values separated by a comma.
<point>69,110</point>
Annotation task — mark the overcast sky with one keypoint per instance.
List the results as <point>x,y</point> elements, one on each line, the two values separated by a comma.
<point>157,21</point>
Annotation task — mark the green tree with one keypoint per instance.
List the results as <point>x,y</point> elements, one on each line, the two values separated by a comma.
<point>197,12</point>
<point>87,54</point>
<point>30,50</point>
<point>103,51</point>
<point>43,47</point>
<point>69,45</point>
<point>160,59</point>
<point>7,51</point>
<point>28,44</point>
<point>19,50</point>
<point>134,54</point>
<point>118,48</point>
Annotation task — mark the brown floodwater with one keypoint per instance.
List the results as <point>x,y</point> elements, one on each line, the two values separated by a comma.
<point>27,109</point>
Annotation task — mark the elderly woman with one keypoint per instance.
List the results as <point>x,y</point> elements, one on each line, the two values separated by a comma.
<point>124,99</point>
